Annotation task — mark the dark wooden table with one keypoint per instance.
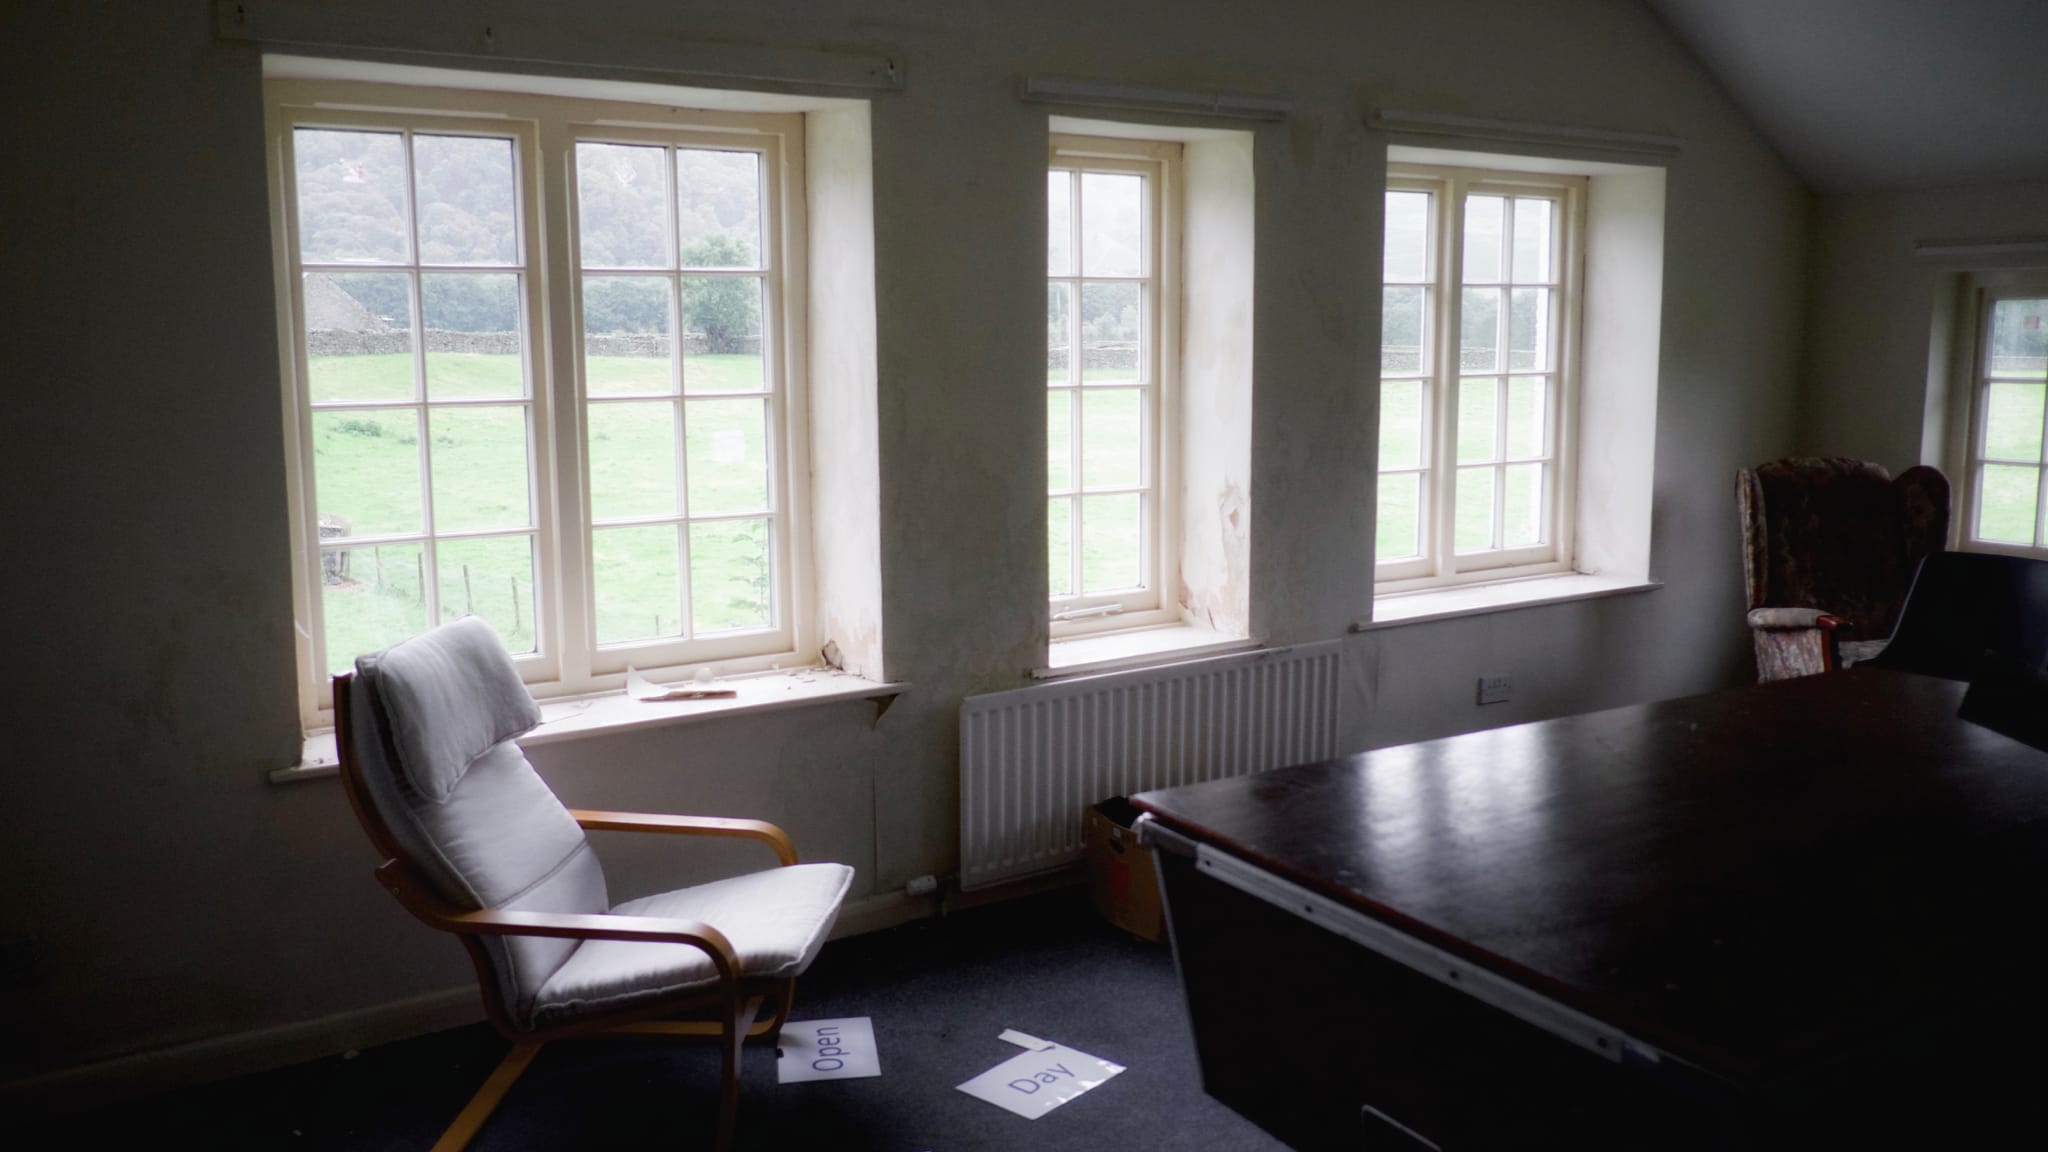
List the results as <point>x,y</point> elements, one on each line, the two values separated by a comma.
<point>1808,910</point>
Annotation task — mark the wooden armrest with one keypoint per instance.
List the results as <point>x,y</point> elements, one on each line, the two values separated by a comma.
<point>688,826</point>
<point>559,925</point>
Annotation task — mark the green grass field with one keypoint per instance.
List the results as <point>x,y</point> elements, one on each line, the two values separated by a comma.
<point>2007,506</point>
<point>1112,427</point>
<point>1397,534</point>
<point>368,468</point>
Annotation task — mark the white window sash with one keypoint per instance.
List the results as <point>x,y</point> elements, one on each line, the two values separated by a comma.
<point>1439,564</point>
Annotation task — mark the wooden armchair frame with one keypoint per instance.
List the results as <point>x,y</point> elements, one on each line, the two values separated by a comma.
<point>734,1004</point>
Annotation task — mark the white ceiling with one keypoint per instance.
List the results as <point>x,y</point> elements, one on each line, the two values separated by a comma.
<point>1862,95</point>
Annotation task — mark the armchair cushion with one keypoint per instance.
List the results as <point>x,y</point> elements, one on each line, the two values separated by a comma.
<point>776,920</point>
<point>482,828</point>
<point>449,697</point>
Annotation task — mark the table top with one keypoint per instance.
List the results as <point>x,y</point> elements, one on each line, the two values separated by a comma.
<point>1756,880</point>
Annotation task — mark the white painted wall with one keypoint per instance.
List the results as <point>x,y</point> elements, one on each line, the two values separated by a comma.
<point>161,893</point>
<point>1220,272</point>
<point>1875,306</point>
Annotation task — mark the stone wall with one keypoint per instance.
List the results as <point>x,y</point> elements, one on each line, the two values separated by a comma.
<point>342,342</point>
<point>1118,355</point>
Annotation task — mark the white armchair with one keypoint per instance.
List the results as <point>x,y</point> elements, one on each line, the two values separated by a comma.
<point>475,843</point>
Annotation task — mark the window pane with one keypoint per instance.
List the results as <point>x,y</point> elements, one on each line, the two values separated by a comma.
<point>1483,215</point>
<point>358,336</point>
<point>632,459</point>
<point>1479,330</point>
<point>1532,241</point>
<point>2012,421</point>
<point>1403,330</point>
<point>1401,423</point>
<point>622,206</point>
<point>726,450</point>
<point>366,470</point>
<point>2019,339</point>
<point>465,200</point>
<point>1058,340</point>
<point>718,208</point>
<point>1111,331</point>
<point>370,598</point>
<point>1529,329</point>
<point>1059,223</point>
<point>722,334</point>
<point>1400,515</point>
<point>1527,418</point>
<point>1112,224</point>
<point>471,322</point>
<point>1059,440</point>
<point>626,335</point>
<point>638,583</point>
<point>1522,506</point>
<point>351,197</point>
<point>490,578</point>
<point>1112,434</point>
<point>1478,412</point>
<point>1406,253</point>
<point>2006,508</point>
<point>1109,543</point>
<point>479,466</point>
<point>1474,530</point>
<point>729,575</point>
<point>1059,547</point>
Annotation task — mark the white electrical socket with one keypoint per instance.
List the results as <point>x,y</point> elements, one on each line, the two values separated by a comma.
<point>1496,689</point>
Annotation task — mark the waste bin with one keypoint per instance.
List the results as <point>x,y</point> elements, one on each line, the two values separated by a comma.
<point>1121,878</point>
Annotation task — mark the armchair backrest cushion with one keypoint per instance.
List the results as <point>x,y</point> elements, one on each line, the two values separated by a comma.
<point>1839,535</point>
<point>433,720</point>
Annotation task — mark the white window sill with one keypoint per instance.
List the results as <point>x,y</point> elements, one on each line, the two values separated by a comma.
<point>1114,651</point>
<point>610,712</point>
<point>1500,596</point>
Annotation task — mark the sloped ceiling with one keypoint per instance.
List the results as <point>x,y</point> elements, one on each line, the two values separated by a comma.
<point>1868,95</point>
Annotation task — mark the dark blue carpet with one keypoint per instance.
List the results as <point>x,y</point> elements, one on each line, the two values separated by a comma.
<point>939,992</point>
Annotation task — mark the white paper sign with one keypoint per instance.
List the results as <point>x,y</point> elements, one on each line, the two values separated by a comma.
<point>1040,1080</point>
<point>728,446</point>
<point>828,1050</point>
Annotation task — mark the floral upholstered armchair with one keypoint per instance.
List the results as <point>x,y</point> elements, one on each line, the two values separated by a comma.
<point>1829,549</point>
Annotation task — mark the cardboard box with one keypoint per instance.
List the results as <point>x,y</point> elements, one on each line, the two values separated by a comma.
<point>1122,880</point>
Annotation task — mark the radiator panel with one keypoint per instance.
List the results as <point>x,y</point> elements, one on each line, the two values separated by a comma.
<point>1032,760</point>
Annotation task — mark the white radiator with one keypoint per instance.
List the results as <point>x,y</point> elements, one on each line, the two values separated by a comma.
<point>1034,759</point>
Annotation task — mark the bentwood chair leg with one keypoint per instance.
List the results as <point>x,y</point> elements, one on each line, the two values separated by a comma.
<point>731,1040</point>
<point>481,1105</point>
<point>771,1030</point>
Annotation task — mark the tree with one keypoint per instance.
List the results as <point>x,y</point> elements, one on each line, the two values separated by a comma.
<point>726,309</point>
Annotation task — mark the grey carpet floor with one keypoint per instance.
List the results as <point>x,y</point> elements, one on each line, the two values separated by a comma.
<point>939,992</point>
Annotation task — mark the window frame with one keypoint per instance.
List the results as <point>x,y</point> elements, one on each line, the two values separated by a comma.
<point>566,660</point>
<point>1986,291</point>
<point>1439,564</point>
<point>1153,602</point>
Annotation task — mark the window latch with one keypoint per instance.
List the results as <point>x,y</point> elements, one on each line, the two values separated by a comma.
<point>1089,612</point>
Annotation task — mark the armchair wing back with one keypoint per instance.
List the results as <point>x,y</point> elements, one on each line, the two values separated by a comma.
<point>433,726</point>
<point>1830,546</point>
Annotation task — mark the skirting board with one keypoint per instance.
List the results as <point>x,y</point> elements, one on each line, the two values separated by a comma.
<point>243,1053</point>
